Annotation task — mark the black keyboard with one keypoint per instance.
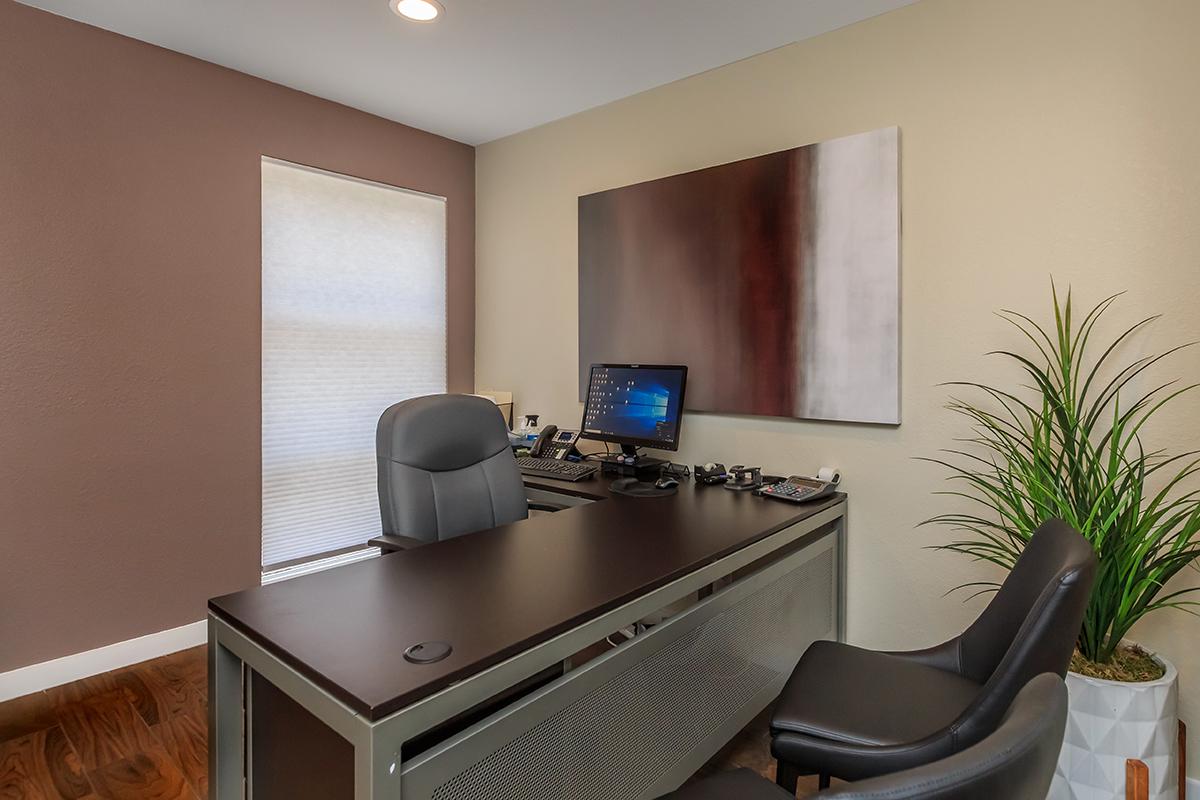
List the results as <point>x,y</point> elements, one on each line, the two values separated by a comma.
<point>553,468</point>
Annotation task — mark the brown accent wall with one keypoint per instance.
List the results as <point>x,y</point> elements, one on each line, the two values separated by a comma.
<point>129,319</point>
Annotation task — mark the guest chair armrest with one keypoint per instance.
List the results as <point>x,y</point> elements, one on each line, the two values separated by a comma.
<point>946,656</point>
<point>394,543</point>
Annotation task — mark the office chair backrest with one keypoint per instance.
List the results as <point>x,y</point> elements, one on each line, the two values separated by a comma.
<point>1016,762</point>
<point>1030,626</point>
<point>446,468</point>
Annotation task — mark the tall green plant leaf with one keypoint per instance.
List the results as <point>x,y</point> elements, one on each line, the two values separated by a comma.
<point>1068,445</point>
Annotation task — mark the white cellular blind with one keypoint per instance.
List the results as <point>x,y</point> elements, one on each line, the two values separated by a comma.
<point>353,320</point>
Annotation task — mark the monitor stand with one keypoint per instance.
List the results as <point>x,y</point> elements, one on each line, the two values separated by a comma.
<point>642,466</point>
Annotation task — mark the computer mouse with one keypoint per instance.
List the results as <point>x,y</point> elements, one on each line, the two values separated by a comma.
<point>665,483</point>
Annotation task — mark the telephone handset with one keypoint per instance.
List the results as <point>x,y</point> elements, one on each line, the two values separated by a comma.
<point>554,443</point>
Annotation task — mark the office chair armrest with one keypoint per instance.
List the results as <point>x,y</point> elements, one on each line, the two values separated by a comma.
<point>394,543</point>
<point>538,505</point>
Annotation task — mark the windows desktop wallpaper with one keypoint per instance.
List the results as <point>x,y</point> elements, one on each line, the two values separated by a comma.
<point>639,404</point>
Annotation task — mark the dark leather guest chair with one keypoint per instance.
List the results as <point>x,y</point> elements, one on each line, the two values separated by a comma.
<point>1016,762</point>
<point>445,469</point>
<point>854,714</point>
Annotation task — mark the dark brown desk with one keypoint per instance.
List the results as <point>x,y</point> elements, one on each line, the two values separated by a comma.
<point>513,602</point>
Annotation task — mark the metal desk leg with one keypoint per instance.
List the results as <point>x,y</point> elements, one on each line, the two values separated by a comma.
<point>226,741</point>
<point>376,770</point>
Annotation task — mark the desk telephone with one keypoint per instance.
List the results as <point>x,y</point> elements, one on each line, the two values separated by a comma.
<point>554,443</point>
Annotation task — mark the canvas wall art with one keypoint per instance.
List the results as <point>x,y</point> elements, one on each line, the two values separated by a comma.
<point>775,279</point>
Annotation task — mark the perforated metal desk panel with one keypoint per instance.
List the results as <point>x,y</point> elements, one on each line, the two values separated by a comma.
<point>513,602</point>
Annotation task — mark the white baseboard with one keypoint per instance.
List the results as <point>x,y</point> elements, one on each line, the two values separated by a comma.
<point>36,677</point>
<point>1193,789</point>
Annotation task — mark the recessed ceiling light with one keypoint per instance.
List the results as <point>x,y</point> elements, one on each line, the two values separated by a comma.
<point>417,10</point>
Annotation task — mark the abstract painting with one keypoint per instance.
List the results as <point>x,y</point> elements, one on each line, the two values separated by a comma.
<point>775,279</point>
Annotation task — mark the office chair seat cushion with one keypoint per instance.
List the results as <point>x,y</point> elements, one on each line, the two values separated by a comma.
<point>858,696</point>
<point>739,784</point>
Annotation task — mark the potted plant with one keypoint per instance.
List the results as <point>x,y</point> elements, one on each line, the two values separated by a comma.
<point>1068,444</point>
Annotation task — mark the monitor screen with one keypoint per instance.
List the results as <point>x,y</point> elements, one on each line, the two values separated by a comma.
<point>635,404</point>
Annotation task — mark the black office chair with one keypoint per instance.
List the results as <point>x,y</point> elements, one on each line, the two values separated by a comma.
<point>445,469</point>
<point>854,714</point>
<point>1015,762</point>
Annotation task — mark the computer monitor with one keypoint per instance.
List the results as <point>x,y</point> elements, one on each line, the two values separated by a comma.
<point>634,405</point>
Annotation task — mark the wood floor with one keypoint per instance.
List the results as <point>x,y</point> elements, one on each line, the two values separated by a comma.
<point>140,733</point>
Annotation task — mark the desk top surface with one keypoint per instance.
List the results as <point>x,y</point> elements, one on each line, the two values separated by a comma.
<point>495,593</point>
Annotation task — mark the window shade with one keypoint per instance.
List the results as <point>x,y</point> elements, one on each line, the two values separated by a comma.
<point>353,320</point>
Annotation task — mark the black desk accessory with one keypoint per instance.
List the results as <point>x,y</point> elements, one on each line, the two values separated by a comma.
<point>632,487</point>
<point>744,479</point>
<point>630,466</point>
<point>679,472</point>
<point>798,489</point>
<point>710,473</point>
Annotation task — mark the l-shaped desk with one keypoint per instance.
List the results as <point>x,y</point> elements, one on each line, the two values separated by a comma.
<point>310,695</point>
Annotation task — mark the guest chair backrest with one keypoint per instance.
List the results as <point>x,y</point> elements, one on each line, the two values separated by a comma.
<point>1028,628</point>
<point>1039,608</point>
<point>1016,762</point>
<point>446,468</point>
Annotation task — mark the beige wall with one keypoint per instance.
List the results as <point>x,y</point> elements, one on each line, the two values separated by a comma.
<point>129,320</point>
<point>1037,137</point>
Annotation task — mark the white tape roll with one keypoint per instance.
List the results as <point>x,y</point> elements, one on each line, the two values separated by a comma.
<point>829,475</point>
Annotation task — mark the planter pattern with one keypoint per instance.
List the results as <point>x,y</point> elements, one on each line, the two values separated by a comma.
<point>1109,722</point>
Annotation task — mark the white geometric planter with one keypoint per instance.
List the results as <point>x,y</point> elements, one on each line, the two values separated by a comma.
<point>1109,722</point>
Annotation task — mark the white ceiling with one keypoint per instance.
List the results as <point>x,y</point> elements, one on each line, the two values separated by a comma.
<point>488,68</point>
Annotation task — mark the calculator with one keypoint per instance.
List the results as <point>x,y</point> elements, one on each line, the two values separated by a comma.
<point>798,489</point>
